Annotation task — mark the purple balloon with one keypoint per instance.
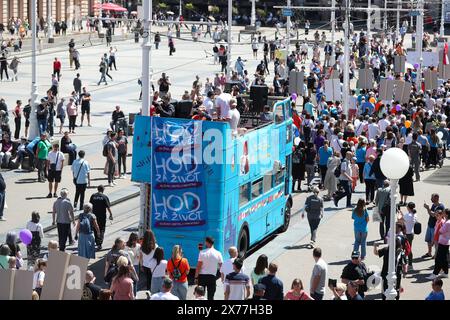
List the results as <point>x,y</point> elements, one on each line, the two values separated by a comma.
<point>390,78</point>
<point>416,66</point>
<point>26,236</point>
<point>294,96</point>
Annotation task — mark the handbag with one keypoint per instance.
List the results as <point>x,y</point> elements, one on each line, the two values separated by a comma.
<point>53,165</point>
<point>76,178</point>
<point>417,228</point>
<point>376,214</point>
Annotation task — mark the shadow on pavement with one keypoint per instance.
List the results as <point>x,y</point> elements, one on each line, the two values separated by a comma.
<point>37,198</point>
<point>420,278</point>
<point>302,246</point>
<point>28,180</point>
<point>339,263</point>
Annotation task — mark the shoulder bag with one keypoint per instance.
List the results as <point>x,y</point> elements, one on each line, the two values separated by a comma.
<point>78,174</point>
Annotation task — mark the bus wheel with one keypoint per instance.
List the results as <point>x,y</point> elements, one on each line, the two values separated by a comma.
<point>287,218</point>
<point>243,243</point>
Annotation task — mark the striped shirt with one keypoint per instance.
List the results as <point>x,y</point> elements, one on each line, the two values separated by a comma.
<point>237,282</point>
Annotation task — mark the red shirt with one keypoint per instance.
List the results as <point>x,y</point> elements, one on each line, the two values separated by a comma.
<point>57,65</point>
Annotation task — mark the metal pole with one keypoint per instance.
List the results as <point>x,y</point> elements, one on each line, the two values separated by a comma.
<point>419,39</point>
<point>253,17</point>
<point>346,86</point>
<point>100,15</point>
<point>230,23</point>
<point>49,22</point>
<point>412,18</point>
<point>369,35</point>
<point>34,130</point>
<point>288,32</point>
<point>385,16</point>
<point>398,20</point>
<point>181,10</point>
<point>333,22</point>
<point>442,31</point>
<point>390,292</point>
<point>146,100</point>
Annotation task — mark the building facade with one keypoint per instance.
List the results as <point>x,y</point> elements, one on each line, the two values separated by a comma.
<point>61,9</point>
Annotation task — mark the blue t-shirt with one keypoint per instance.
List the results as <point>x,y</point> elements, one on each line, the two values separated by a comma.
<point>324,155</point>
<point>432,144</point>
<point>360,223</point>
<point>436,296</point>
<point>367,168</point>
<point>361,155</point>
<point>309,108</point>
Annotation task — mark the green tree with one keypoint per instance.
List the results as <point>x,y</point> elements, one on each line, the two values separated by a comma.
<point>214,9</point>
<point>261,12</point>
<point>189,6</point>
<point>162,6</point>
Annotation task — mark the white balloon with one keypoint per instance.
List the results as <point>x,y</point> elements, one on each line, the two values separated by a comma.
<point>394,163</point>
<point>297,141</point>
<point>440,134</point>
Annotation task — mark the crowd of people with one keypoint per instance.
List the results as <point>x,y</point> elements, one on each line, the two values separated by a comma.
<point>337,149</point>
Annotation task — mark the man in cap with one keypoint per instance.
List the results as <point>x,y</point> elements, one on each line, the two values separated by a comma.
<point>356,272</point>
<point>237,284</point>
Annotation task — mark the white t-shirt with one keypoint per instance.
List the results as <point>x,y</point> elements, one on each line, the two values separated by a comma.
<point>373,130</point>
<point>209,104</point>
<point>304,47</point>
<point>163,296</point>
<point>53,156</point>
<point>337,144</point>
<point>227,267</point>
<point>134,253</point>
<point>353,103</point>
<point>410,220</point>
<point>223,104</point>
<point>346,167</point>
<point>211,259</point>
<point>383,124</point>
<point>35,227</point>
<point>146,258</point>
<point>235,116</point>
<point>38,276</point>
<point>158,270</point>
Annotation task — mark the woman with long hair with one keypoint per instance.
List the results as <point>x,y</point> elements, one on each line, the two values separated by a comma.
<point>406,186</point>
<point>122,284</point>
<point>330,182</point>
<point>178,270</point>
<point>159,266</point>
<point>147,250</point>
<point>133,248</point>
<point>260,270</point>
<point>297,292</point>
<point>369,180</point>
<point>361,218</point>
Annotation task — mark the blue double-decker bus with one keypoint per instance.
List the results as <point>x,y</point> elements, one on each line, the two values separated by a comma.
<point>206,181</point>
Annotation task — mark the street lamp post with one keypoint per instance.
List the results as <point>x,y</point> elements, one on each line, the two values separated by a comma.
<point>288,32</point>
<point>253,16</point>
<point>369,22</point>
<point>180,12</point>
<point>419,39</point>
<point>50,22</point>
<point>34,130</point>
<point>398,20</point>
<point>442,30</point>
<point>394,165</point>
<point>385,25</point>
<point>145,199</point>
<point>346,85</point>
<point>230,23</point>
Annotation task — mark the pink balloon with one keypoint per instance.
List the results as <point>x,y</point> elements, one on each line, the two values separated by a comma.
<point>26,236</point>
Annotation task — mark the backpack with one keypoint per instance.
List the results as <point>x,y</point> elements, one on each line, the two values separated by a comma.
<point>407,247</point>
<point>112,270</point>
<point>105,150</point>
<point>85,224</point>
<point>417,228</point>
<point>87,293</point>
<point>313,205</point>
<point>337,171</point>
<point>176,273</point>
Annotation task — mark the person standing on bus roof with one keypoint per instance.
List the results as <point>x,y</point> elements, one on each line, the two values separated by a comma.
<point>209,261</point>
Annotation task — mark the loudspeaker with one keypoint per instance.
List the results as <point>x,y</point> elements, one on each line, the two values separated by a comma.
<point>230,85</point>
<point>258,94</point>
<point>183,109</point>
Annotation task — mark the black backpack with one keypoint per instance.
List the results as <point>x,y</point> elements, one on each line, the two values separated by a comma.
<point>337,171</point>
<point>105,150</point>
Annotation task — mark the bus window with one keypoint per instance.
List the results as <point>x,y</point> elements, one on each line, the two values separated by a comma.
<point>257,188</point>
<point>267,182</point>
<point>279,115</point>
<point>279,177</point>
<point>243,195</point>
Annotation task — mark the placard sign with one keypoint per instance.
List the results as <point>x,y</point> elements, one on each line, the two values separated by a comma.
<point>178,182</point>
<point>141,164</point>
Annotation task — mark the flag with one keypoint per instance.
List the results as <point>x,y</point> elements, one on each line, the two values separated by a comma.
<point>445,55</point>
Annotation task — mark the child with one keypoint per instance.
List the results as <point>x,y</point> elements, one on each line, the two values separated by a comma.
<point>355,173</point>
<point>52,245</point>
<point>39,275</point>
<point>437,293</point>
